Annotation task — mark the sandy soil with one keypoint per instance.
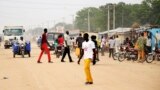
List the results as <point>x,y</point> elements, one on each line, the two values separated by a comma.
<point>25,74</point>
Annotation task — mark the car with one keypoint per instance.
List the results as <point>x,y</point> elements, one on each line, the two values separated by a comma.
<point>51,37</point>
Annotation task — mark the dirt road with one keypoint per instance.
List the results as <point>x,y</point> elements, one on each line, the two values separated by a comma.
<point>25,74</point>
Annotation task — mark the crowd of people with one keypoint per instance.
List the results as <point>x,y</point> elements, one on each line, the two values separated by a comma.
<point>142,44</point>
<point>89,48</point>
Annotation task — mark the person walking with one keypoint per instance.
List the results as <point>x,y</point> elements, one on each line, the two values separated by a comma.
<point>117,44</point>
<point>39,41</point>
<point>103,45</point>
<point>111,46</point>
<point>66,47</point>
<point>148,44</point>
<point>95,55</point>
<point>140,44</point>
<point>79,41</point>
<point>44,47</point>
<point>88,48</point>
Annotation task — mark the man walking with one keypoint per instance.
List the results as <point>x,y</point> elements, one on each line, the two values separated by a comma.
<point>117,44</point>
<point>111,46</point>
<point>44,47</point>
<point>103,45</point>
<point>66,47</point>
<point>95,55</point>
<point>79,42</point>
<point>88,48</point>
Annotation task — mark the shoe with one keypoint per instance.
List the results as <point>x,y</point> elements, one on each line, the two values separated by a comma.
<point>63,61</point>
<point>50,62</point>
<point>86,83</point>
<point>94,62</point>
<point>90,82</point>
<point>71,61</point>
<point>39,62</point>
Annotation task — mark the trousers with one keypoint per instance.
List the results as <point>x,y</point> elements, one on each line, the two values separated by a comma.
<point>87,70</point>
<point>44,48</point>
<point>66,51</point>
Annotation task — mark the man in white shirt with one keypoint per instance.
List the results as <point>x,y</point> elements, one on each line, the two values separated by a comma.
<point>103,45</point>
<point>21,41</point>
<point>148,44</point>
<point>88,49</point>
<point>117,44</point>
<point>111,46</point>
<point>66,47</point>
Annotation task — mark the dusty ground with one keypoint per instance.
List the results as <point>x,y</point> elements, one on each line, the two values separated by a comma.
<point>25,74</point>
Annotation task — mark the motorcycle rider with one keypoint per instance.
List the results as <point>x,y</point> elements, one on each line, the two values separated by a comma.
<point>60,42</point>
<point>21,41</point>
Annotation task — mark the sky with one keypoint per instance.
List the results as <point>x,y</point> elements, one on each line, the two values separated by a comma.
<point>34,13</point>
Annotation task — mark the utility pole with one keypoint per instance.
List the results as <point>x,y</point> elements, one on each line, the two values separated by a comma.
<point>108,18</point>
<point>63,20</point>
<point>88,20</point>
<point>122,15</point>
<point>54,25</point>
<point>73,21</point>
<point>114,17</point>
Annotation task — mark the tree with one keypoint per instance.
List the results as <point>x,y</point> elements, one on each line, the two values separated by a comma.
<point>126,14</point>
<point>96,16</point>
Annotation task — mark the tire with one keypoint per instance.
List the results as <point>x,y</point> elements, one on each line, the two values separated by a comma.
<point>5,47</point>
<point>115,56</point>
<point>150,58</point>
<point>121,57</point>
<point>22,54</point>
<point>135,58</point>
<point>14,55</point>
<point>29,54</point>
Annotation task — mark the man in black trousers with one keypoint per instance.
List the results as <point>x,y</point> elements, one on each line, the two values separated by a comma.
<point>66,47</point>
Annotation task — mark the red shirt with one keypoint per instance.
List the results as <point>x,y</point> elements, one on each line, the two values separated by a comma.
<point>44,38</point>
<point>60,41</point>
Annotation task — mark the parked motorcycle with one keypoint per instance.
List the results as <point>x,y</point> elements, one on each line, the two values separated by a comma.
<point>155,55</point>
<point>116,54</point>
<point>130,54</point>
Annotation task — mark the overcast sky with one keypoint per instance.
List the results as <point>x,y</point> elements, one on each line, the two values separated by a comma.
<point>31,13</point>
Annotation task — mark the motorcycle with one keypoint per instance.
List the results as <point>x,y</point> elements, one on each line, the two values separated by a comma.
<point>59,51</point>
<point>116,54</point>
<point>155,55</point>
<point>21,49</point>
<point>129,54</point>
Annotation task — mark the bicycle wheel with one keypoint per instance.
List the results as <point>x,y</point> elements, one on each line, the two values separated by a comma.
<point>149,58</point>
<point>121,57</point>
<point>115,56</point>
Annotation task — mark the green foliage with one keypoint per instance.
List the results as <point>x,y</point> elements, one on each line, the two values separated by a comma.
<point>148,12</point>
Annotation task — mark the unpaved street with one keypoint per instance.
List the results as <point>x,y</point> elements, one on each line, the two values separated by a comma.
<point>25,74</point>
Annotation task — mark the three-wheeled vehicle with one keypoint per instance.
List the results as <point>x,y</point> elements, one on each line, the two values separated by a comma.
<point>21,49</point>
<point>155,45</point>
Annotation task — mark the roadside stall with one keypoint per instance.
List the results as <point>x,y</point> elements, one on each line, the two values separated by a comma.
<point>121,32</point>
